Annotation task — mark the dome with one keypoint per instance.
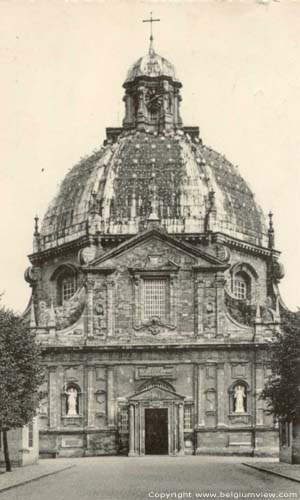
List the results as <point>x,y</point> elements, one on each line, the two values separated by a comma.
<point>152,65</point>
<point>168,177</point>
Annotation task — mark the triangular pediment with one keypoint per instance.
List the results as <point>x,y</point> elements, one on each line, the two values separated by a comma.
<point>156,393</point>
<point>160,252</point>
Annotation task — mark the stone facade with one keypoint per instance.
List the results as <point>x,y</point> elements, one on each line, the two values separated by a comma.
<point>154,293</point>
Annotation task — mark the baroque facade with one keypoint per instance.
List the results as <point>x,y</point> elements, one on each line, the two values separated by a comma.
<point>154,292</point>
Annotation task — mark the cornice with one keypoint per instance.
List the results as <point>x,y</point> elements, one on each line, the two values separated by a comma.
<point>43,255</point>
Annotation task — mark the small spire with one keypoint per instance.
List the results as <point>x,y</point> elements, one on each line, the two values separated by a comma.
<point>133,198</point>
<point>153,198</point>
<point>211,207</point>
<point>93,202</point>
<point>36,226</point>
<point>271,232</point>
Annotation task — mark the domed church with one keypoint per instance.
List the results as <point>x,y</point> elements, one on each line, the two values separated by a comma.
<point>154,292</point>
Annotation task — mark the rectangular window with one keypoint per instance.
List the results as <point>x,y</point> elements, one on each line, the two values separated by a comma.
<point>188,417</point>
<point>124,419</point>
<point>240,289</point>
<point>30,435</point>
<point>68,288</point>
<point>155,296</point>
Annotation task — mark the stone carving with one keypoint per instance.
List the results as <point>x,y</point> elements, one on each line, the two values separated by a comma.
<point>99,311</point>
<point>209,316</point>
<point>239,398</point>
<point>72,396</point>
<point>154,325</point>
<point>210,397</point>
<point>32,274</point>
<point>44,314</point>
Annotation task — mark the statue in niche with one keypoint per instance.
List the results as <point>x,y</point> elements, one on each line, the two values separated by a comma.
<point>239,399</point>
<point>72,396</point>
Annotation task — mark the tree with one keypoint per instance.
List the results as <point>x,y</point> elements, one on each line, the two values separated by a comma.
<point>282,391</point>
<point>21,375</point>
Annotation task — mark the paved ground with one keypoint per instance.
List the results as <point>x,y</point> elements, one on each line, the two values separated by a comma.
<point>286,470</point>
<point>118,478</point>
<point>21,475</point>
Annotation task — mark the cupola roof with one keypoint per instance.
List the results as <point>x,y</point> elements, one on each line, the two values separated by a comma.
<point>151,65</point>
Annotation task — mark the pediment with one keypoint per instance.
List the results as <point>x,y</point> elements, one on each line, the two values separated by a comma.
<point>156,393</point>
<point>156,250</point>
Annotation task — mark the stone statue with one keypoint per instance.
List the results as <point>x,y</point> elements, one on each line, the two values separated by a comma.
<point>71,402</point>
<point>239,397</point>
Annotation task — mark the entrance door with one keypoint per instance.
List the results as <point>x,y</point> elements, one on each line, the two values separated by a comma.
<point>156,431</point>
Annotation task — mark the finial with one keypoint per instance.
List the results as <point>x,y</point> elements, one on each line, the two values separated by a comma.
<point>36,226</point>
<point>151,20</point>
<point>211,197</point>
<point>271,232</point>
<point>93,202</point>
<point>153,198</point>
<point>209,211</point>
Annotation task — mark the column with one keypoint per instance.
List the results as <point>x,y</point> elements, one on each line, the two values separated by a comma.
<point>89,308</point>
<point>220,309</point>
<point>90,396</point>
<point>131,431</point>
<point>200,396</point>
<point>54,403</point>
<point>221,393</point>
<point>110,397</point>
<point>110,307</point>
<point>180,430</point>
<point>259,376</point>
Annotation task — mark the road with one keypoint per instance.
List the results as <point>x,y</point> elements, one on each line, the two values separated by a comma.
<point>123,478</point>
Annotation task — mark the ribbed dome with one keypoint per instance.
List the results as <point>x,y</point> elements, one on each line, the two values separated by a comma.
<point>152,65</point>
<point>144,175</point>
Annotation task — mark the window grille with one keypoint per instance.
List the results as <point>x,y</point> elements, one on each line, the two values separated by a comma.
<point>30,435</point>
<point>68,288</point>
<point>240,288</point>
<point>155,291</point>
<point>124,419</point>
<point>188,422</point>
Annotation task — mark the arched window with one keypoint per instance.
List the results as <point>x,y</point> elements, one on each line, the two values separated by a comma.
<point>65,277</point>
<point>241,286</point>
<point>71,406</point>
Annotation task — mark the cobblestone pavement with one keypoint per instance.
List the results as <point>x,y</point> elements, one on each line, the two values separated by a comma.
<point>122,478</point>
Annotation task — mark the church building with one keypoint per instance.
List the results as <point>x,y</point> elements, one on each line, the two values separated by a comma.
<point>154,292</point>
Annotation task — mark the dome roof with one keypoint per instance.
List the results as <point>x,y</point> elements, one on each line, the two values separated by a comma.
<point>152,65</point>
<point>142,175</point>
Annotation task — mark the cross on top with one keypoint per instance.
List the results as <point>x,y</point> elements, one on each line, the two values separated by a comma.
<point>151,20</point>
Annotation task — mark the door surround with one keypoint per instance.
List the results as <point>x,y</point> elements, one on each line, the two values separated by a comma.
<point>156,394</point>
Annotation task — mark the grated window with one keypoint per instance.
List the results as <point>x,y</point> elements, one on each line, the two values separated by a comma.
<point>188,424</point>
<point>155,291</point>
<point>124,420</point>
<point>240,288</point>
<point>68,288</point>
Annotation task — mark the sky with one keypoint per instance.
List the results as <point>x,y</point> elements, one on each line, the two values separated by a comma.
<point>63,65</point>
